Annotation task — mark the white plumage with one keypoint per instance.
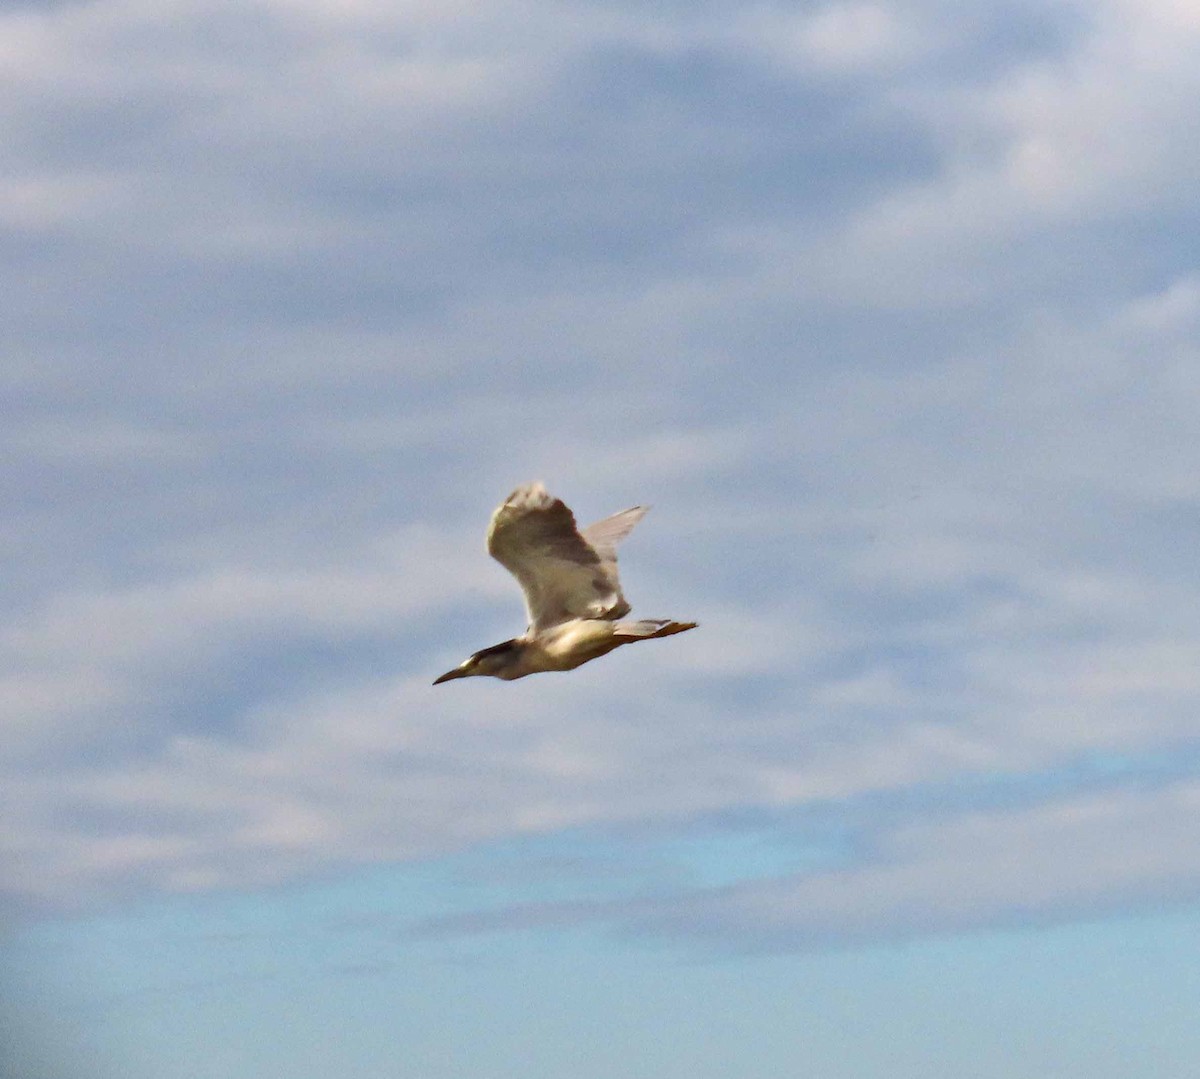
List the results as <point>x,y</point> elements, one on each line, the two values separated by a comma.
<point>572,592</point>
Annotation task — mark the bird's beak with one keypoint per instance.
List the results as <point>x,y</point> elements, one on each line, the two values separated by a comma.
<point>449,676</point>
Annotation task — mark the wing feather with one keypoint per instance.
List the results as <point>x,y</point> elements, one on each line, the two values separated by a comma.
<point>604,535</point>
<point>563,574</point>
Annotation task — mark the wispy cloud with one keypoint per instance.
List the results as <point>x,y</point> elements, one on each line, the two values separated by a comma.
<point>888,311</point>
<point>929,863</point>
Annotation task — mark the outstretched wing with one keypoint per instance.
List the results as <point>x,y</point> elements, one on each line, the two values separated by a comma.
<point>603,536</point>
<point>563,574</point>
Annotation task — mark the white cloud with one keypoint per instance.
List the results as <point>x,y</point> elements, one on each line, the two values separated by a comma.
<point>1057,654</point>
<point>108,654</point>
<point>917,872</point>
<point>1083,855</point>
<point>860,322</point>
<point>1101,133</point>
<point>846,38</point>
<point>1172,311</point>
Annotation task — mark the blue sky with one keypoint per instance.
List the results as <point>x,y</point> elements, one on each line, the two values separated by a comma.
<point>889,311</point>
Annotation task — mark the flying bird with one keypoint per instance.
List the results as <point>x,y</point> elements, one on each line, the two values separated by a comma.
<point>572,593</point>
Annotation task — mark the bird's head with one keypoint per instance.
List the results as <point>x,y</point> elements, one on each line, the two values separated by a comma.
<point>498,661</point>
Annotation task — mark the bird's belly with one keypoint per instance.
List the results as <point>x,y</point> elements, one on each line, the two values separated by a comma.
<point>572,643</point>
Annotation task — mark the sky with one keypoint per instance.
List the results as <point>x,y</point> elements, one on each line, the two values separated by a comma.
<point>888,310</point>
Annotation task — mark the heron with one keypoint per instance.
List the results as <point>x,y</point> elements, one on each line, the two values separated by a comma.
<point>572,594</point>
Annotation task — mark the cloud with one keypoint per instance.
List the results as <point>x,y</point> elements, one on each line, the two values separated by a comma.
<point>270,716</point>
<point>1083,856</point>
<point>1056,142</point>
<point>916,869</point>
<point>887,311</point>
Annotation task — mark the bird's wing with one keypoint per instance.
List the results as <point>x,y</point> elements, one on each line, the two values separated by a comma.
<point>604,535</point>
<point>562,573</point>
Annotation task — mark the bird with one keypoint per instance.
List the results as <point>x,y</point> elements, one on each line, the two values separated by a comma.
<point>572,594</point>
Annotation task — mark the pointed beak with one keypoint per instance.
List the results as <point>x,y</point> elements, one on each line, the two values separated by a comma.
<point>449,676</point>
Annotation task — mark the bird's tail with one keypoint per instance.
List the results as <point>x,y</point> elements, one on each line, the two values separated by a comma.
<point>649,628</point>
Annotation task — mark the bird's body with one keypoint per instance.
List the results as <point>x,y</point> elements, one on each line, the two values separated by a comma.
<point>572,593</point>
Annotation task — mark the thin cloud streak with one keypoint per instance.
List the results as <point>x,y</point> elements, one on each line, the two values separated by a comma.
<point>916,872</point>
